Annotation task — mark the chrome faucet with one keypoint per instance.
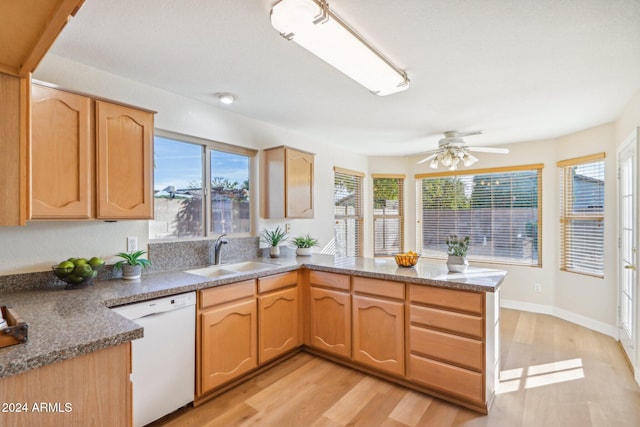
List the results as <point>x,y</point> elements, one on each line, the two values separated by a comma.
<point>217,248</point>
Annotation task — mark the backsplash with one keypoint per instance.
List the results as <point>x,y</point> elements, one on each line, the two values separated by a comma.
<point>164,256</point>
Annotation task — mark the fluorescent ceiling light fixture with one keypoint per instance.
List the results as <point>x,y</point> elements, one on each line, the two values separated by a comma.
<point>313,26</point>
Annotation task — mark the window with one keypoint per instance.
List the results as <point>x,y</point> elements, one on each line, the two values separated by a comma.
<point>183,207</point>
<point>498,208</point>
<point>388,214</point>
<point>582,215</point>
<point>347,208</point>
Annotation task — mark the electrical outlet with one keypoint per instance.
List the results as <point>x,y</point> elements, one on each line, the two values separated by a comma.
<point>132,244</point>
<point>287,228</point>
<point>537,288</point>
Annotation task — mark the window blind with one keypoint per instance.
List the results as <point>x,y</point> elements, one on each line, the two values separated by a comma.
<point>582,215</point>
<point>347,208</point>
<point>499,209</point>
<point>388,214</point>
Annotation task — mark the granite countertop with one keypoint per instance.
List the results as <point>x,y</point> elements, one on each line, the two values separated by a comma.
<point>68,323</point>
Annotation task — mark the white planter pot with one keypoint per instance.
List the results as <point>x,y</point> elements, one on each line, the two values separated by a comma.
<point>303,251</point>
<point>131,272</point>
<point>274,251</point>
<point>457,264</point>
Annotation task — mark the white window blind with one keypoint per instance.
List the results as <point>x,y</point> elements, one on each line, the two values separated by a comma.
<point>582,215</point>
<point>347,208</point>
<point>388,214</point>
<point>499,209</point>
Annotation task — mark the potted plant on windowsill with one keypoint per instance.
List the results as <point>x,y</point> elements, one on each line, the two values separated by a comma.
<point>132,264</point>
<point>304,244</point>
<point>273,239</point>
<point>457,248</point>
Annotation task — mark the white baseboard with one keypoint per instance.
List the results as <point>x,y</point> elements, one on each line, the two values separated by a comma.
<point>569,316</point>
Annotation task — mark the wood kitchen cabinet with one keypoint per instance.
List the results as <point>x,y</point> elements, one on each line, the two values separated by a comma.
<point>288,183</point>
<point>278,315</point>
<point>89,390</point>
<point>90,158</point>
<point>61,154</point>
<point>14,135</point>
<point>378,324</point>
<point>227,328</point>
<point>330,313</point>
<point>124,141</point>
<point>447,345</point>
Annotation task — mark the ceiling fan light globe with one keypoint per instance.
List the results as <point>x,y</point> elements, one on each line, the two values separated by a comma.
<point>434,163</point>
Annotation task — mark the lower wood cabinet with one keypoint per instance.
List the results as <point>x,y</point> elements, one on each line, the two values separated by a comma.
<point>330,321</point>
<point>378,334</point>
<point>447,345</point>
<point>228,332</point>
<point>89,390</point>
<point>278,316</point>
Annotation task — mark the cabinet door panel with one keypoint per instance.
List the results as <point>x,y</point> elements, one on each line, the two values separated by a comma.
<point>278,320</point>
<point>330,321</point>
<point>61,155</point>
<point>124,162</point>
<point>378,334</point>
<point>228,343</point>
<point>299,184</point>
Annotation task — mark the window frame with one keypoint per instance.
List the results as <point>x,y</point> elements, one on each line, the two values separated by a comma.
<point>207,147</point>
<point>566,217</point>
<point>359,216</point>
<point>400,216</point>
<point>538,167</point>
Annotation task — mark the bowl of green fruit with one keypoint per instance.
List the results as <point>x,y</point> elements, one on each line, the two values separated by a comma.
<point>78,272</point>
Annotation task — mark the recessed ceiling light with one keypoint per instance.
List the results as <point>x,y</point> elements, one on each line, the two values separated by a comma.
<point>225,98</point>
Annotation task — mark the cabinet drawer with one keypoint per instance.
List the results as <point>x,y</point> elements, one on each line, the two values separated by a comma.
<point>461,351</point>
<point>472,302</point>
<point>452,380</point>
<point>459,323</point>
<point>382,288</point>
<point>329,280</point>
<point>278,281</point>
<point>226,293</point>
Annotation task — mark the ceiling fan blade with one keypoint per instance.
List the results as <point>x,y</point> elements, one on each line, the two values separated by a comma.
<point>489,150</point>
<point>473,132</point>
<point>426,159</point>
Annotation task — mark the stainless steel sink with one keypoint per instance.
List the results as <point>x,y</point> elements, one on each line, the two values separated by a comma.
<point>230,269</point>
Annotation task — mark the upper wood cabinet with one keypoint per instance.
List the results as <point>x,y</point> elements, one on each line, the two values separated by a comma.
<point>89,158</point>
<point>14,134</point>
<point>288,183</point>
<point>61,154</point>
<point>28,31</point>
<point>124,145</point>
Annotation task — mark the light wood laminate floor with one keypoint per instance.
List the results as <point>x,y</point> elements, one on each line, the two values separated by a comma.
<point>554,373</point>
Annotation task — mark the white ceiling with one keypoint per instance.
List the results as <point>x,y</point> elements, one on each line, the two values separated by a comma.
<point>520,70</point>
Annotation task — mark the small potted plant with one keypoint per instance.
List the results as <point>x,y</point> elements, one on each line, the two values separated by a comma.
<point>304,244</point>
<point>457,248</point>
<point>132,264</point>
<point>273,239</point>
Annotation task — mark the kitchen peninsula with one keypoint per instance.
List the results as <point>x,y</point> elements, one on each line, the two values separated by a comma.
<point>422,327</point>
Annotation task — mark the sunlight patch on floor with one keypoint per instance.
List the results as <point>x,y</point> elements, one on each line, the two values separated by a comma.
<point>540,375</point>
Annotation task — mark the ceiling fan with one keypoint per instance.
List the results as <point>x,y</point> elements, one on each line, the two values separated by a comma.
<point>452,150</point>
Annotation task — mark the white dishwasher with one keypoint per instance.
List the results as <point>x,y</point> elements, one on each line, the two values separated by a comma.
<point>163,362</point>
